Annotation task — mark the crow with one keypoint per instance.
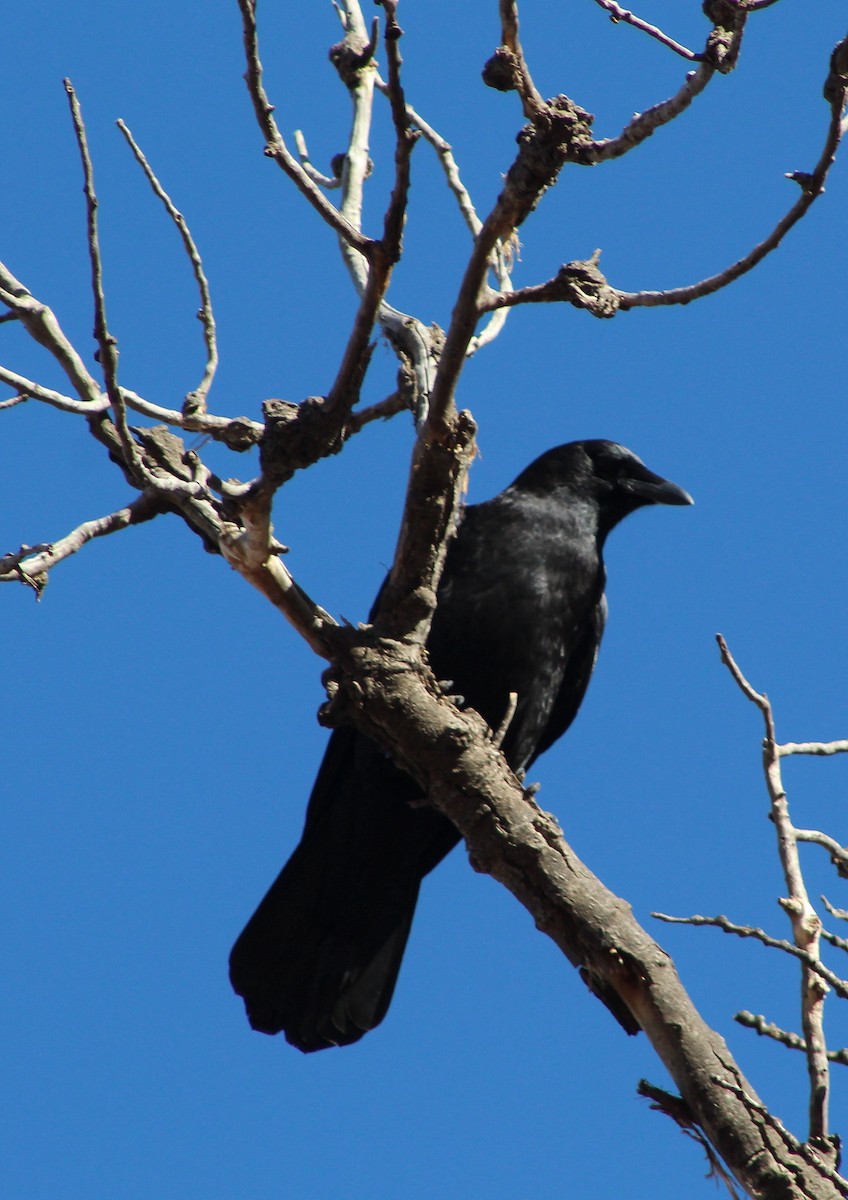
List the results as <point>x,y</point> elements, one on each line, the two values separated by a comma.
<point>521,609</point>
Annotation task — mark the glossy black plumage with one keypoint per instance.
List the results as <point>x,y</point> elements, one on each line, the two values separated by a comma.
<point>521,609</point>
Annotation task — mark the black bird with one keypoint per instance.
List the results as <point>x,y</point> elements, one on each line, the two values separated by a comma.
<point>521,609</point>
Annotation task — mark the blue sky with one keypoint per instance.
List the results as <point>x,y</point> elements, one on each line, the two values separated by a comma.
<point>160,717</point>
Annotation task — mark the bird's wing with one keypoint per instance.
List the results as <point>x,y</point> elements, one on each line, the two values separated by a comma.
<point>575,680</point>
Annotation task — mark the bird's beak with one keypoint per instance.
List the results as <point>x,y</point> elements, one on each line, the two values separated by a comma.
<point>653,489</point>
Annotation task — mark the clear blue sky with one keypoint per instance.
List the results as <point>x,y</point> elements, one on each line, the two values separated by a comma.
<point>159,717</point>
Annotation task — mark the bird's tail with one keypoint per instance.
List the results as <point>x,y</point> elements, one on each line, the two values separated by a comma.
<point>319,958</point>
<point>322,973</point>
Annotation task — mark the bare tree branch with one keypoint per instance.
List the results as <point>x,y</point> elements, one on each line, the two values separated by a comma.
<point>580,283</point>
<point>195,402</point>
<point>499,259</point>
<point>720,55</point>
<point>832,939</point>
<point>840,913</point>
<point>237,432</point>
<point>531,98</point>
<point>317,177</point>
<point>840,986</point>
<point>41,324</point>
<point>13,401</point>
<point>386,252</point>
<point>617,13</point>
<point>603,300</point>
<point>381,411</point>
<point>812,1153</point>
<point>353,59</point>
<point>643,125</point>
<point>276,147</point>
<point>791,1040</point>
<point>821,748</point>
<point>676,1108</point>
<point>29,390</point>
<point>606,300</point>
<point>838,854</point>
<point>249,548</point>
<point>31,564</point>
<point>107,345</point>
<point>806,923</point>
<point>812,186</point>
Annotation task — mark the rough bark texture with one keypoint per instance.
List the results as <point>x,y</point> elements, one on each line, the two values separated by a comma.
<point>387,690</point>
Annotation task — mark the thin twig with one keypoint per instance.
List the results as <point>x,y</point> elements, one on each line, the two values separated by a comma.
<point>13,401</point>
<point>372,278</point>
<point>41,324</point>
<point>680,1112</point>
<point>806,923</point>
<point>381,411</point>
<point>405,137</point>
<point>820,748</point>
<point>840,986</point>
<point>30,390</point>
<point>838,854</point>
<point>792,1041</point>
<point>276,147</point>
<point>498,261</point>
<point>107,346</point>
<point>503,728</point>
<point>617,13</point>
<point>195,401</point>
<point>237,432</point>
<point>353,58</point>
<point>832,939</point>
<point>812,185</point>
<point>643,125</point>
<point>808,1153</point>
<point>841,914</point>
<point>317,177</point>
<point>31,564</point>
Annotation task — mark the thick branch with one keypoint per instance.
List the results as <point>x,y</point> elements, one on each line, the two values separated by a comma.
<point>249,548</point>
<point>445,440</point>
<point>384,689</point>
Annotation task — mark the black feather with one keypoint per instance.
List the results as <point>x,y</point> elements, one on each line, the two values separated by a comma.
<point>521,609</point>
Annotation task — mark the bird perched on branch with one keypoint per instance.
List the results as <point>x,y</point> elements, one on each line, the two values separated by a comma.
<point>521,611</point>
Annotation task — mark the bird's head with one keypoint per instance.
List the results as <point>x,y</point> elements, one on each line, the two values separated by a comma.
<point>604,474</point>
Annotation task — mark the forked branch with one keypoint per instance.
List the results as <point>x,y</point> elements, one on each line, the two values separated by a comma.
<point>806,923</point>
